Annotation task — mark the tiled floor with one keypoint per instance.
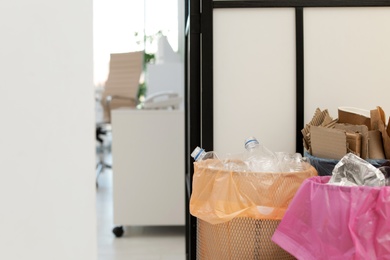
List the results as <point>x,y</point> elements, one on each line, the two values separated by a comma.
<point>137,243</point>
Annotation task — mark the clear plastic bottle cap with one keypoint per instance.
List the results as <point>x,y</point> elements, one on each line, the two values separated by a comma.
<point>197,152</point>
<point>251,142</point>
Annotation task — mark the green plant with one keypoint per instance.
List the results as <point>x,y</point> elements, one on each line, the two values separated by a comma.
<point>141,91</point>
<point>149,58</point>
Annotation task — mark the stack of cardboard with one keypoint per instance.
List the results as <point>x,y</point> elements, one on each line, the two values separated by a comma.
<point>361,132</point>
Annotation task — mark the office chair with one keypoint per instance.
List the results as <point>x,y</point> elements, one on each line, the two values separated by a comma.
<point>120,90</point>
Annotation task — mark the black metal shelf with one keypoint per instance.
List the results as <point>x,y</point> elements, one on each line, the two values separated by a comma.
<point>199,75</point>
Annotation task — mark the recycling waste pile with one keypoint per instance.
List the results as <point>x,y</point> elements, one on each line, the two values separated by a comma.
<point>239,200</point>
<point>342,216</point>
<point>359,131</point>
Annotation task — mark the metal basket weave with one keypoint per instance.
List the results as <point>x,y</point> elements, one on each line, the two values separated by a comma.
<point>239,239</point>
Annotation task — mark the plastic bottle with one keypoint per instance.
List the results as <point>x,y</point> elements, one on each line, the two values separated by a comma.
<point>292,162</point>
<point>199,154</point>
<point>253,146</point>
<point>259,158</point>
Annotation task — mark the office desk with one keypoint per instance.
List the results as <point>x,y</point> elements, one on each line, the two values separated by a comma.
<point>148,167</point>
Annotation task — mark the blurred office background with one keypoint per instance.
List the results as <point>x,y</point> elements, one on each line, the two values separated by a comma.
<point>54,55</point>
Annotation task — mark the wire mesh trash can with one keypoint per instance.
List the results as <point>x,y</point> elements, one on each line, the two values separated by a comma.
<point>238,212</point>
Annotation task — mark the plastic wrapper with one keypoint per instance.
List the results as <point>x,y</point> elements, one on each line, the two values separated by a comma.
<point>220,195</point>
<point>345,182</point>
<point>262,164</point>
<point>241,162</point>
<point>358,171</point>
<point>336,222</point>
<point>291,162</point>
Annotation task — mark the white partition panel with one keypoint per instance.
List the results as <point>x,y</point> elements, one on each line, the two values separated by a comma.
<point>254,78</point>
<point>347,58</point>
<point>47,138</point>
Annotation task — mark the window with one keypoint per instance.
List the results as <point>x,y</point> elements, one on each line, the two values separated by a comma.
<point>116,23</point>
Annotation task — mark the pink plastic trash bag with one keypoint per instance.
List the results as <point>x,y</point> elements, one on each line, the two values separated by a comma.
<point>326,221</point>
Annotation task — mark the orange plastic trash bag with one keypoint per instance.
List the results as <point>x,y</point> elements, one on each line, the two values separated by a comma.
<point>219,195</point>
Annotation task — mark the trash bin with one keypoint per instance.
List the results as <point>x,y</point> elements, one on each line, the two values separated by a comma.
<point>336,222</point>
<point>238,212</point>
<point>325,166</point>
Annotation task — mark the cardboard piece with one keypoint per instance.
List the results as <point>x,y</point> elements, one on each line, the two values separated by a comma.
<point>375,145</point>
<point>354,116</point>
<point>328,143</point>
<point>330,124</point>
<point>327,120</point>
<point>388,127</point>
<point>378,123</point>
<point>354,142</point>
<point>386,140</point>
<point>320,118</point>
<point>362,130</point>
<point>306,143</point>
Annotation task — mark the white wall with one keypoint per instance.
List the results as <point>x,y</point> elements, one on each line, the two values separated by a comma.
<point>47,194</point>
<point>347,59</point>
<point>254,78</point>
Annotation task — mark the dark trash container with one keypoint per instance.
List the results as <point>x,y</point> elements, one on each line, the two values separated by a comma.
<point>325,167</point>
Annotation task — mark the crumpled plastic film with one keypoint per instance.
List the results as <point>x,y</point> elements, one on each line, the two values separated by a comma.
<point>358,171</point>
<point>336,222</point>
<point>219,195</point>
